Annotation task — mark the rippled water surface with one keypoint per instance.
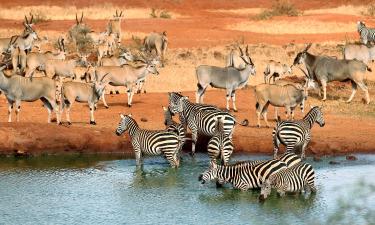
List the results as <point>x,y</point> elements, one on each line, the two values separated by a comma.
<point>102,190</point>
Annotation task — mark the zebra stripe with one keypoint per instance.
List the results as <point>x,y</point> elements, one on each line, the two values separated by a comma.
<point>200,119</point>
<point>296,134</point>
<point>150,142</point>
<point>242,175</point>
<point>366,34</point>
<point>220,145</point>
<point>294,179</point>
<point>175,127</point>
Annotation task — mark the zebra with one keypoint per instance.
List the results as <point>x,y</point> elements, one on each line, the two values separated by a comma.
<point>297,178</point>
<point>243,175</point>
<point>220,145</point>
<point>366,34</point>
<point>296,134</point>
<point>150,142</point>
<point>175,127</point>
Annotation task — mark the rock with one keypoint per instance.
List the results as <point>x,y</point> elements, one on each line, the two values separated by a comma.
<point>317,159</point>
<point>351,157</point>
<point>333,162</point>
<point>144,119</point>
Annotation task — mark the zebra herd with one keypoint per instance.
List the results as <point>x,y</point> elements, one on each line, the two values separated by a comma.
<point>285,173</point>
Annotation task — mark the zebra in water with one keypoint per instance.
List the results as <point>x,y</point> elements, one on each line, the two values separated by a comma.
<point>366,34</point>
<point>173,126</point>
<point>150,142</point>
<point>242,175</point>
<point>200,119</point>
<point>296,134</point>
<point>220,145</point>
<point>297,178</point>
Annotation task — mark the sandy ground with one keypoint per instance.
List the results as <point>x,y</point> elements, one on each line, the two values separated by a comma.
<point>32,135</point>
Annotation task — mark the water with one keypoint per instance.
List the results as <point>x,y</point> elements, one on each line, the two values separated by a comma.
<point>97,190</point>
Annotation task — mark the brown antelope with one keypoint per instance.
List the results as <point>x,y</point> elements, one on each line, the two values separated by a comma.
<point>114,26</point>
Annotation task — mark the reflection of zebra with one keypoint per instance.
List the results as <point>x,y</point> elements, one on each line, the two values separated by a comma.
<point>242,175</point>
<point>175,127</point>
<point>200,118</point>
<point>294,179</point>
<point>296,134</point>
<point>149,142</point>
<point>220,145</point>
<point>366,34</point>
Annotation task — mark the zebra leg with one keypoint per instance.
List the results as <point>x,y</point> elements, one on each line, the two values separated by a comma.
<point>354,90</point>
<point>194,137</point>
<point>10,108</point>
<point>276,145</point>
<point>304,145</point>
<point>138,157</point>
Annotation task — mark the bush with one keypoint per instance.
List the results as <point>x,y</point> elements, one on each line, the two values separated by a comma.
<point>370,11</point>
<point>83,41</point>
<point>164,14</point>
<point>137,42</point>
<point>279,8</point>
<point>39,16</point>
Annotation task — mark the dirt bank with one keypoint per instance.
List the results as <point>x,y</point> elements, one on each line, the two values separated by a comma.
<point>342,134</point>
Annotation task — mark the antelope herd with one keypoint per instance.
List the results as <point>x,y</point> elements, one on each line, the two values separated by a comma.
<point>78,79</point>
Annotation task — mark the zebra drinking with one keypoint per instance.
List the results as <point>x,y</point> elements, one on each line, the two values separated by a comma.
<point>150,142</point>
<point>297,178</point>
<point>220,145</point>
<point>243,175</point>
<point>296,134</point>
<point>366,34</point>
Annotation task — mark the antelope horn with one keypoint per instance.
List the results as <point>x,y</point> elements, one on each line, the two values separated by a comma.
<point>247,50</point>
<point>304,72</point>
<point>32,17</point>
<point>121,13</point>
<point>307,47</point>
<point>116,13</point>
<point>15,39</point>
<point>241,50</point>
<point>81,17</point>
<point>101,80</point>
<point>77,19</point>
<point>26,21</point>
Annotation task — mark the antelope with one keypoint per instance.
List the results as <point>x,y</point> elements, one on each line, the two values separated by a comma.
<point>114,26</point>
<point>275,70</point>
<point>125,75</point>
<point>359,52</point>
<point>234,59</point>
<point>157,42</point>
<point>122,59</point>
<point>228,78</point>
<point>82,92</point>
<point>37,60</point>
<point>17,88</point>
<point>324,69</point>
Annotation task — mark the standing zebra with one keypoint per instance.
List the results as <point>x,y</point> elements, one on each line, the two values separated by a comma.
<point>242,175</point>
<point>175,127</point>
<point>294,179</point>
<point>201,119</point>
<point>366,34</point>
<point>220,145</point>
<point>296,134</point>
<point>150,142</point>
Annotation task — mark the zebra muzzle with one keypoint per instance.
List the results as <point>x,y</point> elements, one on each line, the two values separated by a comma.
<point>200,178</point>
<point>261,198</point>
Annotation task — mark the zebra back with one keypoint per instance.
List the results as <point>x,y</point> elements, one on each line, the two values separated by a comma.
<point>290,159</point>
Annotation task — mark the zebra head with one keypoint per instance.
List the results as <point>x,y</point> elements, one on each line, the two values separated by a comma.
<point>209,174</point>
<point>300,58</point>
<point>319,115</point>
<point>123,125</point>
<point>360,25</point>
<point>265,190</point>
<point>176,102</point>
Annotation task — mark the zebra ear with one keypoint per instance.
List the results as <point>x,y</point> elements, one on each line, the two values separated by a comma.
<point>130,115</point>
<point>165,109</point>
<point>122,116</point>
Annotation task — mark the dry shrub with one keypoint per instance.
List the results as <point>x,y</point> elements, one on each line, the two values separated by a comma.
<point>39,16</point>
<point>218,55</point>
<point>79,35</point>
<point>279,8</point>
<point>370,10</point>
<point>137,42</point>
<point>164,14</point>
<point>185,55</point>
